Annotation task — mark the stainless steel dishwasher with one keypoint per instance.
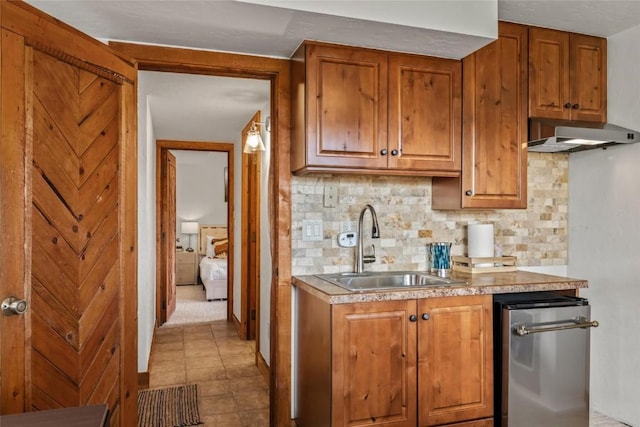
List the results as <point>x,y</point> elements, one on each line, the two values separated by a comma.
<point>541,342</point>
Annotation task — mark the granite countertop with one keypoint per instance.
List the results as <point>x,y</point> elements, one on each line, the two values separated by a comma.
<point>476,284</point>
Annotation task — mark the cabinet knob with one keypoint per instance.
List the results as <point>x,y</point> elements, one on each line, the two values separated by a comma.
<point>468,193</point>
<point>394,152</point>
<point>425,316</point>
<point>384,151</point>
<point>413,318</point>
<point>567,105</point>
<point>575,106</point>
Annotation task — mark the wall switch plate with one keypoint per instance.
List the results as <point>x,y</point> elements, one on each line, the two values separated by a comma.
<point>312,230</point>
<point>347,239</point>
<point>330,196</point>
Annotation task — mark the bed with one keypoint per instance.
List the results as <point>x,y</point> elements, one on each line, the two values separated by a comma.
<point>213,247</point>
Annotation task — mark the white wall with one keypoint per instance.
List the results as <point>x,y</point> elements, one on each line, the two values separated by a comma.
<point>265,245</point>
<point>146,231</point>
<point>604,240</point>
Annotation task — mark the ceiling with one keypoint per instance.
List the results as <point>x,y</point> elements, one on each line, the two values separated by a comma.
<point>201,107</point>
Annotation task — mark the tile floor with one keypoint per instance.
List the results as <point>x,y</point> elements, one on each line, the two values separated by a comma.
<point>231,391</point>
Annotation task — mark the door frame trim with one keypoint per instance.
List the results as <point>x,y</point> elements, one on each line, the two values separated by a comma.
<point>278,72</point>
<point>166,145</point>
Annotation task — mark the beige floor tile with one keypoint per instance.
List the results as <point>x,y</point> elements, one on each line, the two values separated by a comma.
<point>205,374</point>
<point>168,339</point>
<point>171,365</point>
<point>239,362</point>
<point>222,420</point>
<point>200,345</point>
<point>199,337</point>
<point>166,355</point>
<point>248,383</point>
<point>212,405</point>
<point>259,418</point>
<point>251,400</point>
<point>246,371</point>
<point>166,378</point>
<point>204,362</point>
<point>214,388</point>
<point>162,347</point>
<point>197,328</point>
<point>202,352</point>
<point>169,330</point>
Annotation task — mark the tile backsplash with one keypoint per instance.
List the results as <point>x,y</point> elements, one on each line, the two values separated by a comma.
<point>536,235</point>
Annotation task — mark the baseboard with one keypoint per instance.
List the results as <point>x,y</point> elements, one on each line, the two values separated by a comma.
<point>143,377</point>
<point>263,367</point>
<point>239,329</point>
<point>143,380</point>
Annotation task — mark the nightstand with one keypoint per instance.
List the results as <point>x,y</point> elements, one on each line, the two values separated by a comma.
<point>186,268</point>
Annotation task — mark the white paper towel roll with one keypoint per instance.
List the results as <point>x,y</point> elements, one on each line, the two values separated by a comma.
<point>480,240</point>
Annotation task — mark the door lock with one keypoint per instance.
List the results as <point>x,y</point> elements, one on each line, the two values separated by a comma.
<point>13,305</point>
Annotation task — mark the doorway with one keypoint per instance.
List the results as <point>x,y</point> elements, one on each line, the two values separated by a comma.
<point>166,224</point>
<point>201,279</point>
<point>277,72</point>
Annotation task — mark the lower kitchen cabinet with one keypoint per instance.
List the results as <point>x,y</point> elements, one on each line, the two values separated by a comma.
<point>455,359</point>
<point>398,363</point>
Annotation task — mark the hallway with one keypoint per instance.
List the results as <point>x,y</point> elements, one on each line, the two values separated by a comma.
<point>231,391</point>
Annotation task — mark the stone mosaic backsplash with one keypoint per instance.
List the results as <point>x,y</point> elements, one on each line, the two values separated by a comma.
<point>536,235</point>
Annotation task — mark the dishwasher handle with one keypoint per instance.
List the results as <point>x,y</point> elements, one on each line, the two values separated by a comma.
<point>578,322</point>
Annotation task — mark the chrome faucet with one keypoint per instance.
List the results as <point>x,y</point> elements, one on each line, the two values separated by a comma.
<point>375,234</point>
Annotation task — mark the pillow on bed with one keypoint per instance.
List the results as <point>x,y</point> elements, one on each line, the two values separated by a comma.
<point>211,245</point>
<point>210,241</point>
<point>220,248</point>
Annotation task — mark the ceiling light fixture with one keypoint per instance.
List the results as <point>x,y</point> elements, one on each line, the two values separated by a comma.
<point>254,142</point>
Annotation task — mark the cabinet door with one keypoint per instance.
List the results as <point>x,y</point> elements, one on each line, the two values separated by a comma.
<point>346,93</point>
<point>374,364</point>
<point>588,78</point>
<point>494,140</point>
<point>455,359</point>
<point>424,113</point>
<point>549,92</point>
<point>495,122</point>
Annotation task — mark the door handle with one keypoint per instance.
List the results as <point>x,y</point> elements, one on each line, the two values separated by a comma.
<point>578,322</point>
<point>12,306</point>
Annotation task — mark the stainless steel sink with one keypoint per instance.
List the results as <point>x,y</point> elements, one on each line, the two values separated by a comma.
<point>372,281</point>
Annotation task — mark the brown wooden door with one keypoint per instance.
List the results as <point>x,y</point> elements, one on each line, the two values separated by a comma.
<point>250,282</point>
<point>549,92</point>
<point>69,216</point>
<point>455,359</point>
<point>168,234</point>
<point>588,59</point>
<point>424,113</point>
<point>374,364</point>
<point>346,97</point>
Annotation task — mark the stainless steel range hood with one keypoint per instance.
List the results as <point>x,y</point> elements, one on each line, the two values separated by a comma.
<point>553,136</point>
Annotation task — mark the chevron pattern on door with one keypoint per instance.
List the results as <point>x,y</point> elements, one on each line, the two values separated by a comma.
<point>75,326</point>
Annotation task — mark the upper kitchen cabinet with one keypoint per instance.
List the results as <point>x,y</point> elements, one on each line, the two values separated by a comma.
<point>567,76</point>
<point>494,141</point>
<point>359,110</point>
<point>424,113</point>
